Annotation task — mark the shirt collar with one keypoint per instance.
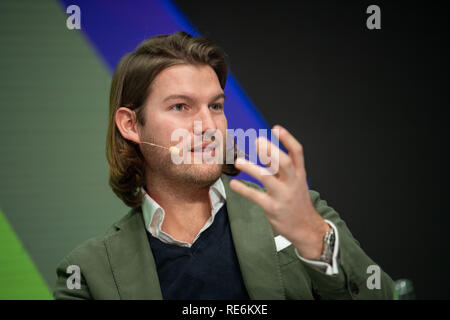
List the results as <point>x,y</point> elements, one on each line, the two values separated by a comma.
<point>150,206</point>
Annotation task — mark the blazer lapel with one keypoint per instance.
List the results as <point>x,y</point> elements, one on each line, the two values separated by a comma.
<point>131,259</point>
<point>254,243</point>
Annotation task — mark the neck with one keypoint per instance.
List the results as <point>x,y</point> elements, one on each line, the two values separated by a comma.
<point>186,207</point>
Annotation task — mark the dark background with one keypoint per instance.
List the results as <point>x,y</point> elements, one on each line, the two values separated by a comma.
<point>367,105</point>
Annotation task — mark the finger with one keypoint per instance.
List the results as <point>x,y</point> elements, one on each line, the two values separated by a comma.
<point>260,198</point>
<point>277,161</point>
<point>295,149</point>
<point>257,172</point>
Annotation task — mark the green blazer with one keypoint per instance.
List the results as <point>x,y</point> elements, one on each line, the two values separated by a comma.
<point>120,264</point>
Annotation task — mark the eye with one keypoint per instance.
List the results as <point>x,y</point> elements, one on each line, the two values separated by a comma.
<point>178,107</point>
<point>216,106</point>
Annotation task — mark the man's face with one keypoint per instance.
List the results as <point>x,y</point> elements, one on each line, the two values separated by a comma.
<point>180,95</point>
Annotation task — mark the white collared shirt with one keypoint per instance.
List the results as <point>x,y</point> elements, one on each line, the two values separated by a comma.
<point>154,216</point>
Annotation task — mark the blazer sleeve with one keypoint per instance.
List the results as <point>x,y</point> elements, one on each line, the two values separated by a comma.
<point>351,282</point>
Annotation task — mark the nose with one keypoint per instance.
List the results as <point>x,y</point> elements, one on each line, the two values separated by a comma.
<point>207,122</point>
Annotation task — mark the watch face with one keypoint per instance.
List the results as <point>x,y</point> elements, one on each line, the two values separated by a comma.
<point>329,239</point>
<point>332,240</point>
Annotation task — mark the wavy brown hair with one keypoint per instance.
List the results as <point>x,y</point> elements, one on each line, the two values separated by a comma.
<point>130,87</point>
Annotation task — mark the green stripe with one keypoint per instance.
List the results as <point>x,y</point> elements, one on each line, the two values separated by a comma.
<point>53,119</point>
<point>19,278</point>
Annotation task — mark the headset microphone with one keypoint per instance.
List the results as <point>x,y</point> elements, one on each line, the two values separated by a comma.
<point>171,149</point>
<point>175,150</point>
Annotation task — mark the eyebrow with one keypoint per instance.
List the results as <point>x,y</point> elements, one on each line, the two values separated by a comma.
<point>182,96</point>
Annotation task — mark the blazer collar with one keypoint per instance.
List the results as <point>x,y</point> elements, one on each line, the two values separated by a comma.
<point>134,269</point>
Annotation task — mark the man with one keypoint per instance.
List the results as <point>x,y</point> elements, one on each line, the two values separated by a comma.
<point>193,232</point>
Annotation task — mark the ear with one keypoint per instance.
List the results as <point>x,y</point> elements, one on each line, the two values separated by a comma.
<point>127,124</point>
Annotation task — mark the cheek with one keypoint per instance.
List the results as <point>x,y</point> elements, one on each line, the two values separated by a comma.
<point>223,126</point>
<point>163,128</point>
<point>222,123</point>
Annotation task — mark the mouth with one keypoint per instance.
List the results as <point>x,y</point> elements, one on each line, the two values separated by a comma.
<point>205,147</point>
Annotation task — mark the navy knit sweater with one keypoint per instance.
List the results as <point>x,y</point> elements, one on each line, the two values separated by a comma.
<point>209,269</point>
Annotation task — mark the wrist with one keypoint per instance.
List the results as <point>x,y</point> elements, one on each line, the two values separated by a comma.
<point>312,244</point>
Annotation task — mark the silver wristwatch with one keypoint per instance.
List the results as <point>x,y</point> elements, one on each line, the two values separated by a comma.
<point>328,241</point>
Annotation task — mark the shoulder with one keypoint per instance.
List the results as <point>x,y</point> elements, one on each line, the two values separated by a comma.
<point>94,249</point>
<point>92,260</point>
